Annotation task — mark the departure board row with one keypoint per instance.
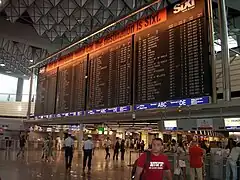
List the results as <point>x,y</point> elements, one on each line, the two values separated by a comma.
<point>46,93</point>
<point>110,76</point>
<point>163,62</point>
<point>71,87</point>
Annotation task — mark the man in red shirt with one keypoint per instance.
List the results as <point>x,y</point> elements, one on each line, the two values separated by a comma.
<point>158,163</point>
<point>196,161</point>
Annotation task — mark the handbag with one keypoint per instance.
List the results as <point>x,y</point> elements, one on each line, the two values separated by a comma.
<point>177,171</point>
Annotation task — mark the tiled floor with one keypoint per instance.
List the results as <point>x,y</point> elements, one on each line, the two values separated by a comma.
<point>32,168</point>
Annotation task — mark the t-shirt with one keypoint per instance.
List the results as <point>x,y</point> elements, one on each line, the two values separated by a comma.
<point>88,145</point>
<point>153,170</point>
<point>196,157</point>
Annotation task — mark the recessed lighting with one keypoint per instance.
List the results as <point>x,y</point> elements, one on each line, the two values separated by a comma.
<point>2,65</point>
<point>237,55</point>
<point>31,60</point>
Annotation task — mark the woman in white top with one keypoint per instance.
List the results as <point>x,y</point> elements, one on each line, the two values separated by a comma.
<point>181,158</point>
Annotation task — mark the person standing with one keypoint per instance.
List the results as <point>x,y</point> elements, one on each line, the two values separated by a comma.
<point>196,161</point>
<point>142,145</point>
<point>231,164</point>
<point>22,143</point>
<point>156,167</point>
<point>122,149</point>
<point>116,149</point>
<point>68,146</point>
<point>181,157</point>
<point>107,147</point>
<point>59,143</point>
<point>87,156</point>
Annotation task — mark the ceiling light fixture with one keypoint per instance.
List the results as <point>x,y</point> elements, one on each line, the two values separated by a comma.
<point>31,60</point>
<point>2,65</point>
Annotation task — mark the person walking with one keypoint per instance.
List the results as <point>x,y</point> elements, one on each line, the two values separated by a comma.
<point>59,143</point>
<point>87,156</point>
<point>122,149</point>
<point>45,149</point>
<point>154,167</point>
<point>231,164</point>
<point>22,143</point>
<point>116,149</point>
<point>50,148</point>
<point>196,161</point>
<point>107,147</point>
<point>68,146</point>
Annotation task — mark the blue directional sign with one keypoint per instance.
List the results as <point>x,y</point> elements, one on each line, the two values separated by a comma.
<point>173,103</point>
<point>109,110</point>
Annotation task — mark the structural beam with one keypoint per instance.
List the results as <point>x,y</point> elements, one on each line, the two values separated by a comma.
<point>225,50</point>
<point>25,34</point>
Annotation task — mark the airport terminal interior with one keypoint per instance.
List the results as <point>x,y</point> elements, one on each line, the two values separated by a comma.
<point>119,89</point>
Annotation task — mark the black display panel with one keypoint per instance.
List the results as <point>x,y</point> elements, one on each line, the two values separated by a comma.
<point>110,76</point>
<point>46,92</point>
<point>64,89</point>
<point>71,87</point>
<point>172,59</point>
<point>79,85</point>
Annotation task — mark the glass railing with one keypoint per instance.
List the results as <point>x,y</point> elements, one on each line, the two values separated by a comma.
<point>6,97</point>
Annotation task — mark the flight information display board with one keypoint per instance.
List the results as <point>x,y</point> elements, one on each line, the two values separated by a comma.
<point>172,58</point>
<point>110,76</point>
<point>46,92</point>
<point>71,87</point>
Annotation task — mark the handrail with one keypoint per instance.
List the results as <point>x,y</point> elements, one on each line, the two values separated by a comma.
<point>11,97</point>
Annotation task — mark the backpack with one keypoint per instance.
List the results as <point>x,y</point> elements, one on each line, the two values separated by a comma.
<point>147,160</point>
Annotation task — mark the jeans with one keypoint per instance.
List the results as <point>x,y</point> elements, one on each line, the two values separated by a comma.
<point>107,152</point>
<point>68,157</point>
<point>231,166</point>
<point>116,151</point>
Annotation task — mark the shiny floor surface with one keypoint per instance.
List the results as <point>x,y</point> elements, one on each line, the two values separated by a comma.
<point>33,168</point>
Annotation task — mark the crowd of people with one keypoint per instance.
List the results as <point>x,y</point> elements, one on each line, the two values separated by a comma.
<point>148,166</point>
<point>194,153</point>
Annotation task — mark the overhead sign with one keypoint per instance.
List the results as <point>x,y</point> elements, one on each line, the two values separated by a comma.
<point>109,110</point>
<point>205,124</point>
<point>184,6</point>
<point>170,125</point>
<point>232,123</point>
<point>173,103</point>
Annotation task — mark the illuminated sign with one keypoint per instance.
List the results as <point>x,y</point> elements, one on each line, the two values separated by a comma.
<point>232,123</point>
<point>184,6</point>
<point>140,25</point>
<point>170,125</point>
<point>121,109</point>
<point>173,103</point>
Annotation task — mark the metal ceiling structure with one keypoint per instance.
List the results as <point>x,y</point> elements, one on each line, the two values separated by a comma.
<point>33,29</point>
